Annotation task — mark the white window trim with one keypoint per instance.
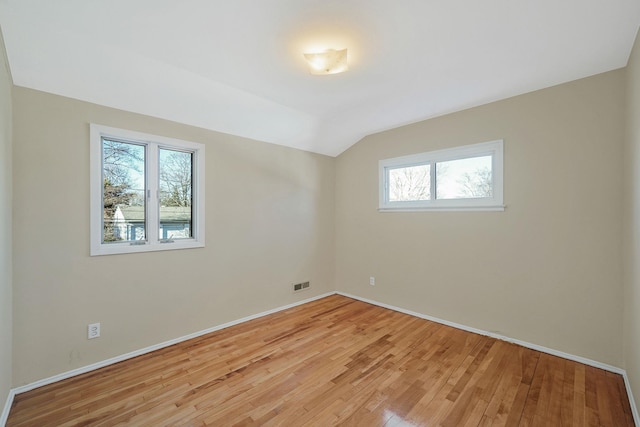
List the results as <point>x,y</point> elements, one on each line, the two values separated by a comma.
<point>153,142</point>
<point>495,203</point>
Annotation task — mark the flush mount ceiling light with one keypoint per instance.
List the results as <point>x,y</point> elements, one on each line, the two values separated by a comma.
<point>330,61</point>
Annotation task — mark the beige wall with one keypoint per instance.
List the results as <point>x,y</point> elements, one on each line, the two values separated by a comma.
<point>269,224</point>
<point>547,270</point>
<point>632,225</point>
<point>5,229</point>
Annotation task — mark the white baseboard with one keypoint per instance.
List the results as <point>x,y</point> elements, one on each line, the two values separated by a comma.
<point>7,407</point>
<point>111,361</point>
<point>537,347</point>
<point>632,402</point>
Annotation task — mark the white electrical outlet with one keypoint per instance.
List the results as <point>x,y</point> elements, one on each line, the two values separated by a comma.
<point>93,330</point>
<point>372,281</point>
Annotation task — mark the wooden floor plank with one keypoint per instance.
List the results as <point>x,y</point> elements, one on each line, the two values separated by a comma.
<point>334,361</point>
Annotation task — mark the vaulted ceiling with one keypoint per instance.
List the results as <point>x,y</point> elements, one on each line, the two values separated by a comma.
<point>237,66</point>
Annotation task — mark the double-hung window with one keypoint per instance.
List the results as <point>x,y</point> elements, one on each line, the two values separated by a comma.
<point>147,192</point>
<point>461,178</point>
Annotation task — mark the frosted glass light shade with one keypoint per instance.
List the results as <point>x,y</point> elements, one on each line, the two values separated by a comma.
<point>328,62</point>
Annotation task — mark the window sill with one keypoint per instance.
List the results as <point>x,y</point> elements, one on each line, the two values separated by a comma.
<point>499,208</point>
<point>126,248</point>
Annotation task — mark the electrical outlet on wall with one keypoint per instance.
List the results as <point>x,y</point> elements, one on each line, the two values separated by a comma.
<point>372,281</point>
<point>93,330</point>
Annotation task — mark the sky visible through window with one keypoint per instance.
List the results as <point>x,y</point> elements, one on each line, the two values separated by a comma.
<point>464,178</point>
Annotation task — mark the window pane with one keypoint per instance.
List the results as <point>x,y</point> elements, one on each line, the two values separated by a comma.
<point>464,178</point>
<point>410,183</point>
<point>176,171</point>
<point>123,191</point>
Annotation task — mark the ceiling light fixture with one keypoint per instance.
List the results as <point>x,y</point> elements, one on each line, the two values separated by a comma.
<point>330,61</point>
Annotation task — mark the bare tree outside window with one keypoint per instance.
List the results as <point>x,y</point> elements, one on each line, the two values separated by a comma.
<point>175,178</point>
<point>468,178</point>
<point>123,185</point>
<point>477,183</point>
<point>176,192</point>
<point>410,183</point>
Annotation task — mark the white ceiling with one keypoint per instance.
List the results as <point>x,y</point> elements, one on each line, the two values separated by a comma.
<point>236,66</point>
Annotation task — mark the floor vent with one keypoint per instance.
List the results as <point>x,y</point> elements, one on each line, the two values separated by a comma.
<point>301,286</point>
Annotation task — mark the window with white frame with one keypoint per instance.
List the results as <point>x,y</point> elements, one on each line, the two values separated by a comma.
<point>460,178</point>
<point>147,192</point>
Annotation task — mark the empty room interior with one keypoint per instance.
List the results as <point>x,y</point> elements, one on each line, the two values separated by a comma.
<point>305,212</point>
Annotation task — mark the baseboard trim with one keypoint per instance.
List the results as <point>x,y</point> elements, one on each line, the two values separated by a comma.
<point>7,407</point>
<point>136,353</point>
<point>526,344</point>
<point>632,401</point>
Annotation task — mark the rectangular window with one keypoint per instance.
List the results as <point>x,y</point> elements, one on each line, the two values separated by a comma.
<point>147,192</point>
<point>461,178</point>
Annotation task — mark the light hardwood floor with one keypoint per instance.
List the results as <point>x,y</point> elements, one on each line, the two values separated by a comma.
<point>335,361</point>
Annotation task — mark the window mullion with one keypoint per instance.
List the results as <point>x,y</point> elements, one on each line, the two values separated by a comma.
<point>386,185</point>
<point>152,205</point>
<point>432,173</point>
